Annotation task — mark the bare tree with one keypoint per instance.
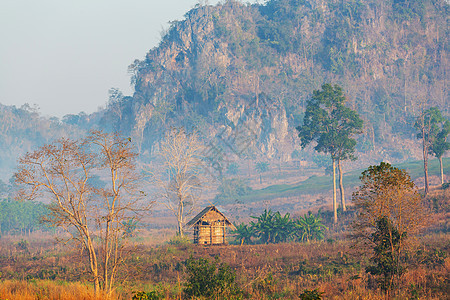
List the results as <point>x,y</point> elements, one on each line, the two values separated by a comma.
<point>179,174</point>
<point>95,215</point>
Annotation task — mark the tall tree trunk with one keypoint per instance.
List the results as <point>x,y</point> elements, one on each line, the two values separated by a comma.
<point>93,262</point>
<point>442,169</point>
<point>341,186</point>
<point>334,192</point>
<point>180,216</point>
<point>425,164</point>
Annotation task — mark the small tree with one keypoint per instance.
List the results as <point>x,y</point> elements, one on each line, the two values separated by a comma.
<point>179,174</point>
<point>388,204</point>
<point>429,124</point>
<point>272,227</point>
<point>95,217</point>
<point>232,190</point>
<point>243,234</point>
<point>261,167</point>
<point>387,241</point>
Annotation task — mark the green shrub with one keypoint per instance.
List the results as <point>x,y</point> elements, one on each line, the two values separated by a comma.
<point>210,279</point>
<point>311,295</point>
<point>386,257</point>
<point>140,295</point>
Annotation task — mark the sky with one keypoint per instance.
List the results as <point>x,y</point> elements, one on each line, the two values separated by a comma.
<point>64,55</point>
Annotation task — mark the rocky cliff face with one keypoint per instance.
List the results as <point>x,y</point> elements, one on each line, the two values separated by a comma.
<point>252,67</point>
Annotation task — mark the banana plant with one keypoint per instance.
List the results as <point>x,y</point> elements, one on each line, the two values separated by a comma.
<point>272,227</point>
<point>309,227</point>
<point>243,234</point>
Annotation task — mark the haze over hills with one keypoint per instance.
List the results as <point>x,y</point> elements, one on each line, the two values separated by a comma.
<point>251,68</point>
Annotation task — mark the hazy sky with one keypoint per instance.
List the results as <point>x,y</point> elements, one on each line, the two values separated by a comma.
<point>64,55</point>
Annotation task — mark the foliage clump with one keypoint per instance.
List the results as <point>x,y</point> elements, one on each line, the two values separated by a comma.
<point>386,258</point>
<point>210,280</point>
<point>311,295</point>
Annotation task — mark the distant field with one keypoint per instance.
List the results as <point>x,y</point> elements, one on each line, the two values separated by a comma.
<point>320,184</point>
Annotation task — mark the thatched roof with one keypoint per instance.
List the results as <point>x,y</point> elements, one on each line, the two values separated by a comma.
<point>207,209</point>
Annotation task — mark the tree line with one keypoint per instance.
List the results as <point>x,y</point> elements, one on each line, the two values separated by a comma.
<point>332,127</point>
<point>22,217</point>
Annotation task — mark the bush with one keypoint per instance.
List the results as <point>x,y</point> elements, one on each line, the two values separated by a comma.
<point>212,280</point>
<point>311,295</point>
<point>140,295</point>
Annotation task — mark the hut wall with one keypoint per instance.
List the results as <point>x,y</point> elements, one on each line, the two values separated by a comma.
<point>204,237</point>
<point>210,229</point>
<point>218,232</point>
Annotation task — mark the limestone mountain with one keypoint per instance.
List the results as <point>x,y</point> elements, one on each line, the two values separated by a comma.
<point>253,67</point>
<point>241,75</point>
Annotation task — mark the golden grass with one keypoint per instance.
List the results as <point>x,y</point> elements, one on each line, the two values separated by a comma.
<point>46,289</point>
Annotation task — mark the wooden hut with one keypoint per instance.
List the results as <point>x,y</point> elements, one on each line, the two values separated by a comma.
<point>209,226</point>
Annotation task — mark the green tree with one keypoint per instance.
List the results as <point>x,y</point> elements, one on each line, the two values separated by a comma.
<point>440,145</point>
<point>20,217</point>
<point>387,240</point>
<point>261,167</point>
<point>429,124</point>
<point>332,125</point>
<point>232,189</point>
<point>311,295</point>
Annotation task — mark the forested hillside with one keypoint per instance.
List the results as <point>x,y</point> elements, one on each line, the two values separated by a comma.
<point>253,67</point>
<point>23,129</point>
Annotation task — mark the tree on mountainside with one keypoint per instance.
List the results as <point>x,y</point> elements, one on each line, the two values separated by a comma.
<point>94,217</point>
<point>332,125</point>
<point>429,125</point>
<point>441,145</point>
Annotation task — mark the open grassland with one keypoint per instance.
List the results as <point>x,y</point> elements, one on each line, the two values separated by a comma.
<point>34,267</point>
<point>274,271</point>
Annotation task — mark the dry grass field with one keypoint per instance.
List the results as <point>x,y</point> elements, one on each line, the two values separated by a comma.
<point>34,267</point>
